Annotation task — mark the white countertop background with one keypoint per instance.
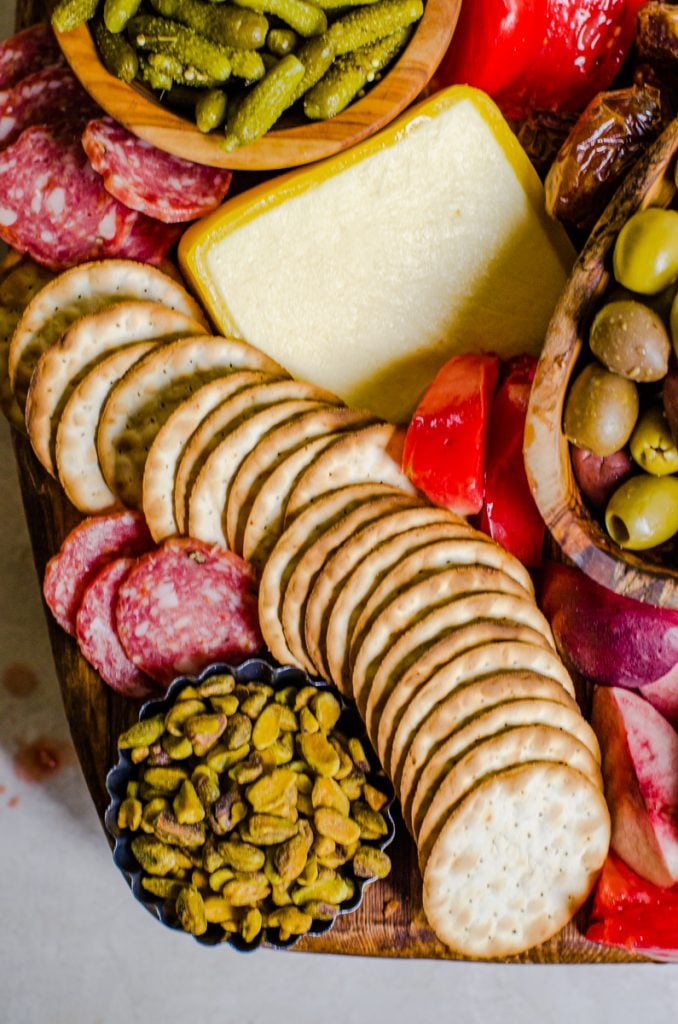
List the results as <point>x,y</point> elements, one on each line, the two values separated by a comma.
<point>75,948</point>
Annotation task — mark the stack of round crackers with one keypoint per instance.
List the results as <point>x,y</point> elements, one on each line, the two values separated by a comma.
<point>424,621</point>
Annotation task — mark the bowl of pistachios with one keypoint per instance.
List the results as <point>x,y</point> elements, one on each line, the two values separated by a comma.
<point>247,808</point>
<point>254,84</point>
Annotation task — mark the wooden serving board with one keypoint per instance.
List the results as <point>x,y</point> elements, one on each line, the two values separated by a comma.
<point>390,921</point>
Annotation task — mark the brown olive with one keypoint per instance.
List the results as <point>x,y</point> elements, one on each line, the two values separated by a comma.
<point>601,410</point>
<point>599,476</point>
<point>630,338</point>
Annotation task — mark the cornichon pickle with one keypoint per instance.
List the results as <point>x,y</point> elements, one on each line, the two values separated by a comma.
<point>118,12</point>
<point>68,14</point>
<point>305,18</point>
<point>164,36</point>
<point>281,41</point>
<point>222,23</point>
<point>264,103</point>
<point>349,74</point>
<point>118,56</point>
<point>165,65</point>
<point>365,26</point>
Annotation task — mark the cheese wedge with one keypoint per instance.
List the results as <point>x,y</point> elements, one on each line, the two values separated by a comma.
<point>364,273</point>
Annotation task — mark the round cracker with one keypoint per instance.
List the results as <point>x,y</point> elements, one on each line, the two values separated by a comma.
<point>170,442</point>
<point>308,566</point>
<point>149,392</point>
<point>270,452</point>
<point>81,347</point>
<point>82,290</point>
<point>362,456</point>
<point>209,493</point>
<point>418,786</point>
<point>515,860</point>
<point>416,646</point>
<point>329,586</point>
<point>77,459</point>
<point>391,541</point>
<point>519,744</point>
<point>502,656</point>
<point>311,523</point>
<point>407,606</point>
<point>441,553</point>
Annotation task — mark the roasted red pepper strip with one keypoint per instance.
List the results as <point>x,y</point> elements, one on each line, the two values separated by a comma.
<point>651,932</point>
<point>444,453</point>
<point>510,515</point>
<point>620,889</point>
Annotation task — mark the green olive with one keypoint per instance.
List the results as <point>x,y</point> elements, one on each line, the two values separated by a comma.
<point>643,512</point>
<point>652,445</point>
<point>645,257</point>
<point>601,410</point>
<point>629,338</point>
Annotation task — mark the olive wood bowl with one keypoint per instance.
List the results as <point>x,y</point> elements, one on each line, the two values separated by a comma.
<point>547,458</point>
<point>140,111</point>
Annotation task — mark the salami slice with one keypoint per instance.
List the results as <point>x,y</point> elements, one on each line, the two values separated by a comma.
<point>147,179</point>
<point>87,548</point>
<point>42,98</point>
<point>185,605</point>
<point>97,635</point>
<point>28,51</point>
<point>54,207</point>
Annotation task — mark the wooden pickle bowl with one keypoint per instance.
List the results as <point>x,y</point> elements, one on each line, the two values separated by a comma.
<point>547,457</point>
<point>140,111</point>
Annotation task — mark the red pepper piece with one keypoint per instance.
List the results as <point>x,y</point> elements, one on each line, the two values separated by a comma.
<point>649,931</point>
<point>444,452</point>
<point>619,889</point>
<point>510,515</point>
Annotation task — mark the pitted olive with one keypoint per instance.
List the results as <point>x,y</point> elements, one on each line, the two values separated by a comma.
<point>643,512</point>
<point>645,257</point>
<point>652,445</point>
<point>630,338</point>
<point>601,410</point>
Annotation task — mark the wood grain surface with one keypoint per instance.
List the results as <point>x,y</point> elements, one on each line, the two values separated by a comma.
<point>140,111</point>
<point>390,921</point>
<point>547,456</point>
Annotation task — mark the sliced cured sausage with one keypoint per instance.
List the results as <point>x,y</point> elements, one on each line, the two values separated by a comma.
<point>186,605</point>
<point>42,98</point>
<point>147,241</point>
<point>54,207</point>
<point>28,51</point>
<point>87,548</point>
<point>147,179</point>
<point>97,635</point>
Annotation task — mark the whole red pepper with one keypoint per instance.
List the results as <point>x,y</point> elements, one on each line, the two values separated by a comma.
<point>510,515</point>
<point>540,54</point>
<point>444,451</point>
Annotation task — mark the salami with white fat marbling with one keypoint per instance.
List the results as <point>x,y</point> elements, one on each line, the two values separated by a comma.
<point>28,51</point>
<point>44,97</point>
<point>149,180</point>
<point>88,547</point>
<point>97,635</point>
<point>186,605</point>
<point>54,207</point>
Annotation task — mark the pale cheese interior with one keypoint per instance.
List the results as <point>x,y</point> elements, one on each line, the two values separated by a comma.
<point>366,282</point>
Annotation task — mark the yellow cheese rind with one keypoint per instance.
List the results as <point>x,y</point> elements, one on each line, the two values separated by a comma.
<point>366,272</point>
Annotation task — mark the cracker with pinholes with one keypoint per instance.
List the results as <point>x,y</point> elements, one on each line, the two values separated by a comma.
<point>143,400</point>
<point>419,786</point>
<point>330,586</point>
<point>371,454</point>
<point>316,519</point>
<point>77,460</point>
<point>408,709</point>
<point>270,452</point>
<point>208,496</point>
<point>80,348</point>
<point>79,291</point>
<point>312,562</point>
<point>170,442</point>
<point>404,608</point>
<point>417,647</point>
<point>515,859</point>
